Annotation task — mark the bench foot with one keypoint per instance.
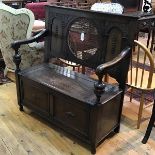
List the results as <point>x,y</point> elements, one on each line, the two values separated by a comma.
<point>93,150</point>
<point>144,140</point>
<point>117,129</point>
<point>21,108</point>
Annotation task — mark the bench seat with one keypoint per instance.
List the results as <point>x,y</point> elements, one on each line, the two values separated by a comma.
<point>73,84</point>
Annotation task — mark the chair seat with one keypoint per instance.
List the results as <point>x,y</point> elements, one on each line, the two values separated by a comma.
<point>38,25</point>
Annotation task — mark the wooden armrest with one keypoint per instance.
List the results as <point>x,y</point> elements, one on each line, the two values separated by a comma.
<point>103,68</point>
<point>16,45</point>
<point>99,87</point>
<point>84,3</point>
<point>84,7</point>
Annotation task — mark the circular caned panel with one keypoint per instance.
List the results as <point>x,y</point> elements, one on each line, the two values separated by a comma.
<point>83,39</point>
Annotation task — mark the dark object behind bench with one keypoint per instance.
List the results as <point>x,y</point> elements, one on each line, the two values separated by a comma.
<point>150,125</point>
<point>88,109</point>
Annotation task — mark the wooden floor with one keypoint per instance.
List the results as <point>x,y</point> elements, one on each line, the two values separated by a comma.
<point>23,133</point>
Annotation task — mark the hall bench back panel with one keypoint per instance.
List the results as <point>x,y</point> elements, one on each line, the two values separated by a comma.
<point>108,35</point>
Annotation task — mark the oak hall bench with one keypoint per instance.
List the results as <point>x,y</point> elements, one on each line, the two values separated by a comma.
<point>87,109</point>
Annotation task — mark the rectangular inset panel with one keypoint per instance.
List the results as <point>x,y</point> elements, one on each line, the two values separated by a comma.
<point>71,115</point>
<point>35,97</point>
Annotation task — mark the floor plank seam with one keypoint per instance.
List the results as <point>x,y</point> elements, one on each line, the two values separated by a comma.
<point>6,146</point>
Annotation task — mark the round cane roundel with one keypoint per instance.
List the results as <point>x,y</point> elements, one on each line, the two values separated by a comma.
<point>82,38</point>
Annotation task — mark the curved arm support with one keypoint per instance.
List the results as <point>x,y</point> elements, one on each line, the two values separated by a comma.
<point>16,45</point>
<point>102,69</point>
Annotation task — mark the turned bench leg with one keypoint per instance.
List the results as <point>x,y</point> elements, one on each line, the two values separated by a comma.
<point>117,129</point>
<point>93,149</point>
<point>21,107</point>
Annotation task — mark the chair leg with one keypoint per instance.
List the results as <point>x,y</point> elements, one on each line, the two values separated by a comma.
<point>148,40</point>
<point>152,41</point>
<point>150,126</point>
<point>83,70</point>
<point>79,69</point>
<point>106,79</point>
<point>131,94</point>
<point>73,68</point>
<point>136,38</point>
<point>140,110</point>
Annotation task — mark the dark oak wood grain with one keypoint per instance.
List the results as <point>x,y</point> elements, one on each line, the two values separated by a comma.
<point>86,108</point>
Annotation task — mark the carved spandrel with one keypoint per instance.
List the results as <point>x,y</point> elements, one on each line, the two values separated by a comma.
<point>62,17</point>
<point>123,28</point>
<point>114,43</point>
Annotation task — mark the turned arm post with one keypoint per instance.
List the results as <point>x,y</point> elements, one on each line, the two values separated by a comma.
<point>99,86</point>
<point>17,59</point>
